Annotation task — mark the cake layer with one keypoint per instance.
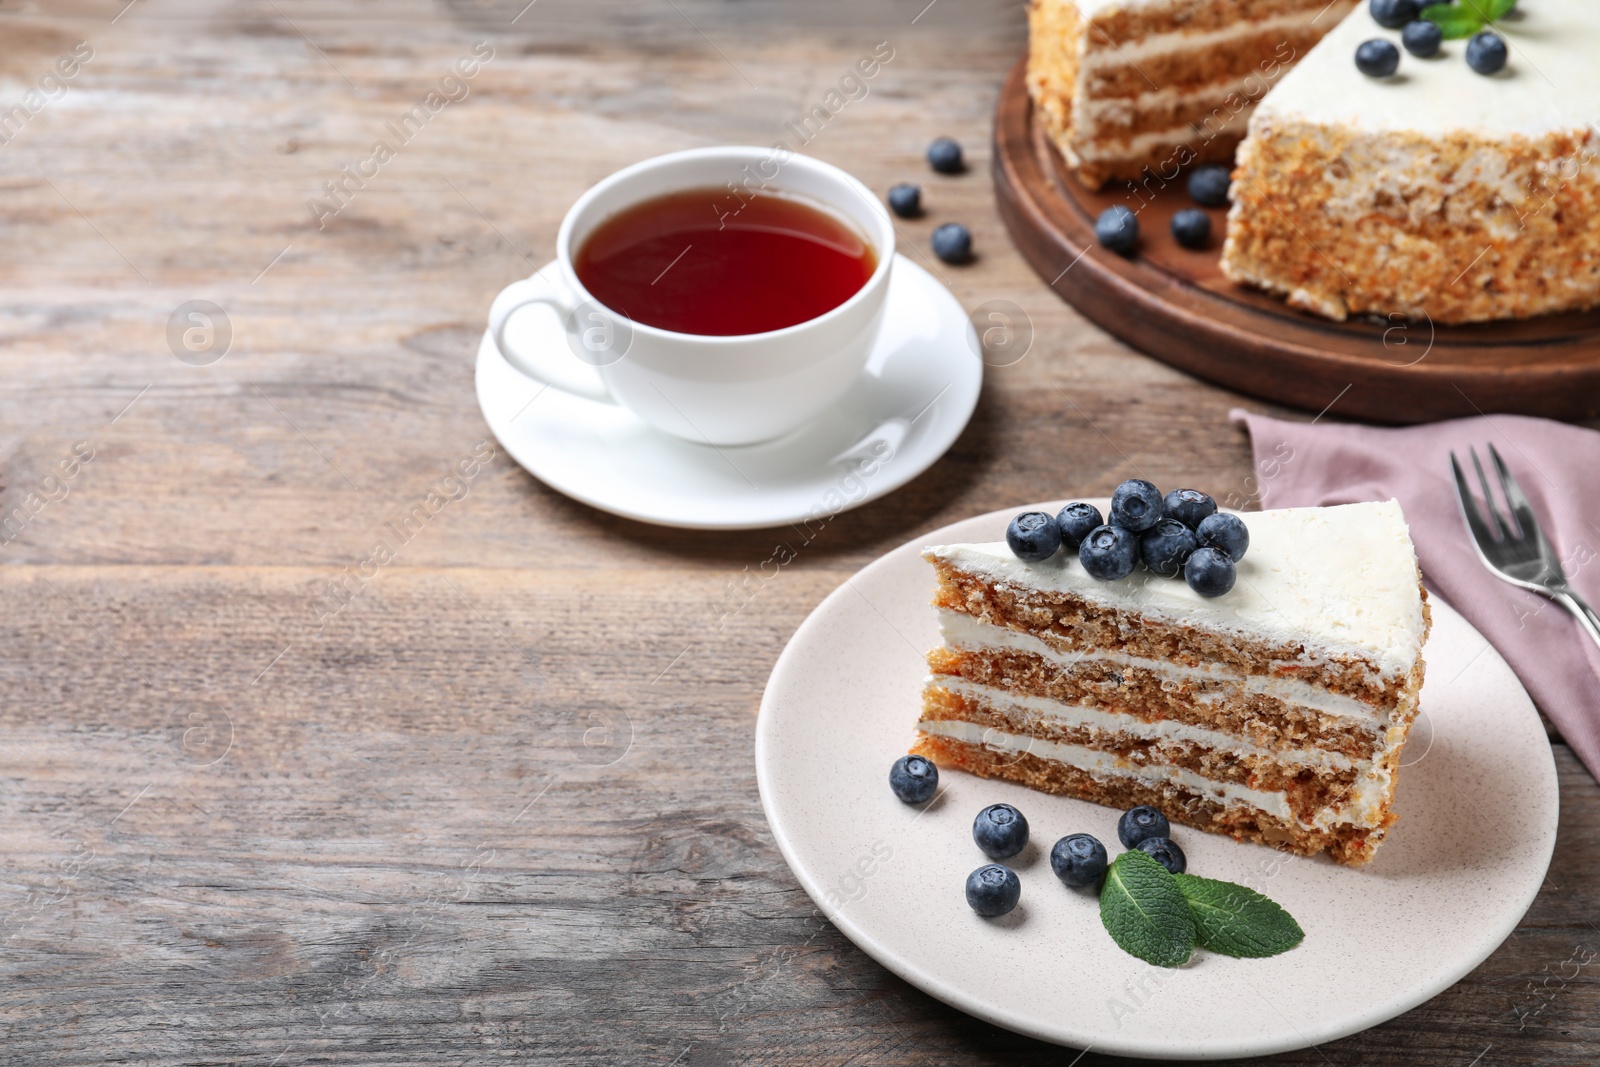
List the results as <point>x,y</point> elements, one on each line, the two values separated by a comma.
<point>1304,784</point>
<point>1246,815</point>
<point>1142,88</point>
<point>1439,194</point>
<point>1327,593</point>
<point>1096,683</point>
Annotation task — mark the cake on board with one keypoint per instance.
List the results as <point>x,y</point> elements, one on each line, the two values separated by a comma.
<point>1437,193</point>
<point>1275,713</point>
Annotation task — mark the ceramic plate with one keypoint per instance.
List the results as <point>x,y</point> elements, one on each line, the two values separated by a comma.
<point>1477,800</point>
<point>909,405</point>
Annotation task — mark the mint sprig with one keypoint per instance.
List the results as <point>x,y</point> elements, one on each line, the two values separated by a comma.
<point>1234,920</point>
<point>1144,912</point>
<point>1456,21</point>
<point>1160,917</point>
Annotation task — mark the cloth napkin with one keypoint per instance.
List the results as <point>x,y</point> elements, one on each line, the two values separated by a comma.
<point>1301,464</point>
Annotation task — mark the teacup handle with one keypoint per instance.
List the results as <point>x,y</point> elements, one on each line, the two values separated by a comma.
<point>572,375</point>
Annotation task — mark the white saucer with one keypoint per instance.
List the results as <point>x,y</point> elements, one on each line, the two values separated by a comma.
<point>1477,801</point>
<point>919,388</point>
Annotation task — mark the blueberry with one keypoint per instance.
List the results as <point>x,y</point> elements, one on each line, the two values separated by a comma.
<point>944,156</point>
<point>1000,831</point>
<point>952,243</point>
<point>1118,229</point>
<point>1209,572</point>
<point>1076,521</point>
<point>1109,553</point>
<point>905,200</point>
<point>1166,852</point>
<point>1079,860</point>
<point>1422,38</point>
<point>1227,532</point>
<point>1139,823</point>
<point>993,890</point>
<point>1189,506</point>
<point>913,779</point>
<point>1486,53</point>
<point>1209,184</point>
<point>1392,14</point>
<point>1033,536</point>
<point>1377,58</point>
<point>1166,546</point>
<point>1191,228</point>
<point>1136,505</point>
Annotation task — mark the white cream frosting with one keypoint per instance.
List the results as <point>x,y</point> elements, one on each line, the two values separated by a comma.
<point>1100,52</point>
<point>1362,809</point>
<point>1116,722</point>
<point>1551,80</point>
<point>1337,581</point>
<point>965,632</point>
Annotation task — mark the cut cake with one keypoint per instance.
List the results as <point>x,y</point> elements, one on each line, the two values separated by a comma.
<point>1439,193</point>
<point>1275,713</point>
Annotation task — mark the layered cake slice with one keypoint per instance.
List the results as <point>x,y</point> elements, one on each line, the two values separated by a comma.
<point>1440,192</point>
<point>1139,89</point>
<point>1274,713</point>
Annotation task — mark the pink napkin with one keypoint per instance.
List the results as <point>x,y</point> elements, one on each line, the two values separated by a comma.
<point>1301,464</point>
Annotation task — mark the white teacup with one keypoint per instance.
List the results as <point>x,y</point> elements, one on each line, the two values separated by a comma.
<point>720,390</point>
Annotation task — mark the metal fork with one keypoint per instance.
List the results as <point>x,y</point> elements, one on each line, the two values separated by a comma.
<point>1523,556</point>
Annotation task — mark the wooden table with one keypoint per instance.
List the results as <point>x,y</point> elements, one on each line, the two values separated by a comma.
<point>478,809</point>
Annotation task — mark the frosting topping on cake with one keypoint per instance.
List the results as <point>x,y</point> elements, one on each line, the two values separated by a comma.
<point>1552,81</point>
<point>1338,580</point>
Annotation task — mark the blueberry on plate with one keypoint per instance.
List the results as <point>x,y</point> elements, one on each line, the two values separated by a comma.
<point>1166,852</point>
<point>914,779</point>
<point>1209,572</point>
<point>1077,520</point>
<point>1486,53</point>
<point>993,890</point>
<point>1166,547</point>
<point>1377,58</point>
<point>1079,860</point>
<point>944,156</point>
<point>1118,229</point>
<point>1392,14</point>
<point>1000,831</point>
<point>1227,532</point>
<point>1208,185</point>
<point>952,243</point>
<point>905,200</point>
<point>1189,506</point>
<point>1136,505</point>
<point>1191,228</point>
<point>1139,823</point>
<point>1422,38</point>
<point>1033,536</point>
<point>1109,553</point>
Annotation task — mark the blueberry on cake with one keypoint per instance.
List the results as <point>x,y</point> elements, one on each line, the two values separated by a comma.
<point>1264,693</point>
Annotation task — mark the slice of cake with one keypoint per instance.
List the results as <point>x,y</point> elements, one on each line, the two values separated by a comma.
<point>1138,89</point>
<point>1273,713</point>
<point>1438,193</point>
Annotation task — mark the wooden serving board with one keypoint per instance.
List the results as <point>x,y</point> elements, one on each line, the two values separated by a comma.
<point>1175,305</point>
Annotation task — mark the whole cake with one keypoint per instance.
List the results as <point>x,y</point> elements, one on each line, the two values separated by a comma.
<point>1432,191</point>
<point>1273,713</point>
<point>1439,192</point>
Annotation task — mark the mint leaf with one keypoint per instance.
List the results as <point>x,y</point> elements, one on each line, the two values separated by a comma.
<point>1144,912</point>
<point>1496,9</point>
<point>1455,20</point>
<point>1237,921</point>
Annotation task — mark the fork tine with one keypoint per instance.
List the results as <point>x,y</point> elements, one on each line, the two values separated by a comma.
<point>1469,508</point>
<point>1527,525</point>
<point>1488,499</point>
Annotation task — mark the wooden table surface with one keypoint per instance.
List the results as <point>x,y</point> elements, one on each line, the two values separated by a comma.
<point>482,813</point>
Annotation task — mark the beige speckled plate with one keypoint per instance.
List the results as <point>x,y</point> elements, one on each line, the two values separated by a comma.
<point>1477,802</point>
